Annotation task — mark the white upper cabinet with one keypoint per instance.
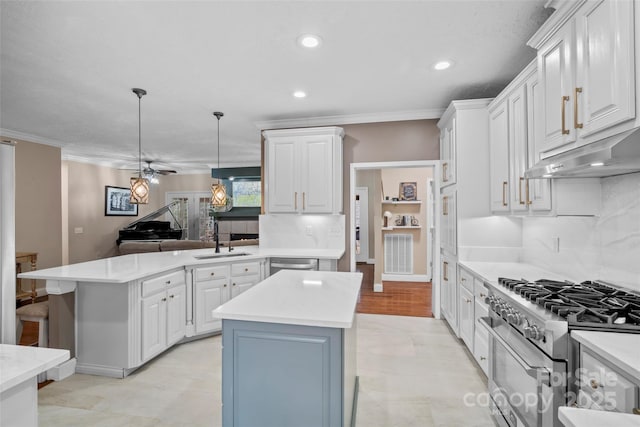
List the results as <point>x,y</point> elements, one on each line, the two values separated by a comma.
<point>448,152</point>
<point>499,157</point>
<point>515,125</point>
<point>303,170</point>
<point>587,73</point>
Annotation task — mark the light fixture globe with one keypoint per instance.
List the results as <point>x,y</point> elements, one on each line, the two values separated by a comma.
<point>139,191</point>
<point>139,185</point>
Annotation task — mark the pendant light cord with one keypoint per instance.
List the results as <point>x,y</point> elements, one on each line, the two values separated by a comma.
<point>139,139</point>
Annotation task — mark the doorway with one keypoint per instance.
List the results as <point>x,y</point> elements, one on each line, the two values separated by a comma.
<point>404,252</point>
<point>192,213</point>
<point>361,206</point>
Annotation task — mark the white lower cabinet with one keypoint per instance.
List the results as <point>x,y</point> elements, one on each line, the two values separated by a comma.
<point>466,316</point>
<point>214,285</point>
<point>163,313</point>
<point>448,286</point>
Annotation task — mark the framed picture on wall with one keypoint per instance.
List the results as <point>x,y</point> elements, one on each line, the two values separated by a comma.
<point>408,191</point>
<point>116,202</point>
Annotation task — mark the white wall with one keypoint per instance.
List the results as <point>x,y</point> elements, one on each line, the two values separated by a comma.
<point>605,247</point>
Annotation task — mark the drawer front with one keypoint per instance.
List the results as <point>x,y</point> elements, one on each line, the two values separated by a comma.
<point>605,386</point>
<point>481,348</point>
<point>245,269</point>
<point>157,284</point>
<point>466,280</point>
<point>209,273</point>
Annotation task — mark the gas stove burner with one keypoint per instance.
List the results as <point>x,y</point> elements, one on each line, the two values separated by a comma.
<point>587,305</point>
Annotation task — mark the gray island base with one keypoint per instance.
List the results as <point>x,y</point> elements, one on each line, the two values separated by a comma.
<point>289,352</point>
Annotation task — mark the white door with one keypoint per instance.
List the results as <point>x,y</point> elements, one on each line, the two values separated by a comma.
<point>517,119</point>
<point>192,213</point>
<point>282,181</point>
<point>176,314</point>
<point>362,224</point>
<point>499,158</point>
<point>210,294</point>
<point>316,175</point>
<point>154,325</point>
<point>241,284</point>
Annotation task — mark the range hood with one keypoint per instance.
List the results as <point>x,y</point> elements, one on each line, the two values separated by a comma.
<point>616,155</point>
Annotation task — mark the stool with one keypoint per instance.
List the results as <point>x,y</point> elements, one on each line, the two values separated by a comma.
<point>38,312</point>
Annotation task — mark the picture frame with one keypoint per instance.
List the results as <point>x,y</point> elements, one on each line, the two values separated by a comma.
<point>116,202</point>
<point>408,191</point>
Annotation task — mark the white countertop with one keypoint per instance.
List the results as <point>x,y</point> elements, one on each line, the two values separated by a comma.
<point>125,268</point>
<point>578,417</point>
<point>310,298</point>
<point>622,350</point>
<point>18,363</point>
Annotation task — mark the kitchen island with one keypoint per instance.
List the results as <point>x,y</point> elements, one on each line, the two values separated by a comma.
<point>289,351</point>
<point>116,314</point>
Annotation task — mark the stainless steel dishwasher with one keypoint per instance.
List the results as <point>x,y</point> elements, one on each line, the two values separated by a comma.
<point>278,264</point>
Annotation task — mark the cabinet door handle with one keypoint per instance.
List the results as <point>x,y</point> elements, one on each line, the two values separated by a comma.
<point>295,200</point>
<point>213,274</point>
<point>171,296</point>
<point>168,282</point>
<point>445,274</point>
<point>445,166</point>
<point>483,358</point>
<point>445,205</point>
<point>482,295</point>
<point>234,284</point>
<point>225,285</point>
<point>527,198</point>
<point>565,99</point>
<point>468,301</point>
<point>575,108</point>
<point>504,193</point>
<point>304,201</point>
<point>246,269</point>
<point>594,384</point>
<point>636,411</point>
<point>520,190</point>
<point>164,299</point>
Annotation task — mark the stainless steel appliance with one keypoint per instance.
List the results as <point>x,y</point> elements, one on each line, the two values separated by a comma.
<point>531,356</point>
<point>278,264</point>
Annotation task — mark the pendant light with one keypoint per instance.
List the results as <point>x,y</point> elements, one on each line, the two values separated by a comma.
<point>218,191</point>
<point>139,185</point>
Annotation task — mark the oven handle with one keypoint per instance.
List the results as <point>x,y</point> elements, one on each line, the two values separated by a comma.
<point>539,373</point>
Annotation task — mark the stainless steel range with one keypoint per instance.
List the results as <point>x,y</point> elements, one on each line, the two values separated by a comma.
<point>531,358</point>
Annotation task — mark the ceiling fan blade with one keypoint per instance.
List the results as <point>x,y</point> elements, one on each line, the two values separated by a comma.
<point>165,171</point>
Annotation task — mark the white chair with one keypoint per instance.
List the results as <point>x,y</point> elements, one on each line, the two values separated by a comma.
<point>38,312</point>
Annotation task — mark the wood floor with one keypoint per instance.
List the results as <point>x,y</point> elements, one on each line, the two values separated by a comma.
<point>398,298</point>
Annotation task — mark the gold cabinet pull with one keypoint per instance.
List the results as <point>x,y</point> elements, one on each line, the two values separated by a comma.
<point>575,109</point>
<point>594,384</point>
<point>295,200</point>
<point>304,203</point>
<point>504,193</point>
<point>445,273</point>
<point>636,411</point>
<point>565,99</point>
<point>527,193</point>
<point>520,190</point>
<point>445,205</point>
<point>445,166</point>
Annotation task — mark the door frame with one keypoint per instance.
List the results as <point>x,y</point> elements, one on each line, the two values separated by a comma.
<point>364,237</point>
<point>435,164</point>
<point>192,214</point>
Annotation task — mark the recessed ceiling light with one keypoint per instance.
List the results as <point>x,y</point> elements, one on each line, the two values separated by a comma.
<point>299,94</point>
<point>597,164</point>
<point>442,65</point>
<point>309,41</point>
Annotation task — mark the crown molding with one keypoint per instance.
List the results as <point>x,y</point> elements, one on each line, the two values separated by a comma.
<point>350,119</point>
<point>13,134</point>
<point>465,104</point>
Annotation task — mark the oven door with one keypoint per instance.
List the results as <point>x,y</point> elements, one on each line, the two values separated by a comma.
<point>525,385</point>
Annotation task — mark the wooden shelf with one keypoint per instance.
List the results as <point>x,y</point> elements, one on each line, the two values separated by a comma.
<point>404,227</point>
<point>402,202</point>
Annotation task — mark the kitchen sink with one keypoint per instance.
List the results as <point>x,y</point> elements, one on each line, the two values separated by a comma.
<point>220,255</point>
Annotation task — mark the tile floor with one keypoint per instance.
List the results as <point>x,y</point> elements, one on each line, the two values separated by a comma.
<point>413,372</point>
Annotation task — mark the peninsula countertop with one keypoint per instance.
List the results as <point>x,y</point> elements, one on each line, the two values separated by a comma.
<point>20,363</point>
<point>125,268</point>
<point>309,298</point>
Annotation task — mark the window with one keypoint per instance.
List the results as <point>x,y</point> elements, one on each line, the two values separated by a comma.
<point>246,194</point>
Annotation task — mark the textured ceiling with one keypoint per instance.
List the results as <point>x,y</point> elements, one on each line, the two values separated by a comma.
<point>67,69</point>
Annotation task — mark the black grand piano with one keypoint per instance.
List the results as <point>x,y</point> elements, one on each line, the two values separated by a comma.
<point>147,228</point>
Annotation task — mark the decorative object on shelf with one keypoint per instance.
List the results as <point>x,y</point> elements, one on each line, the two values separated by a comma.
<point>406,220</point>
<point>219,199</point>
<point>414,221</point>
<point>387,218</point>
<point>117,202</point>
<point>139,186</point>
<point>399,220</point>
<point>408,191</point>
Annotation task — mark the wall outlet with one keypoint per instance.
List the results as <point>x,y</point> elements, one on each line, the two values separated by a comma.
<point>555,244</point>
<point>78,230</point>
<point>309,230</point>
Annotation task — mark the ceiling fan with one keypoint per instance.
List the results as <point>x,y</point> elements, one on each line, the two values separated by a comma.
<point>152,173</point>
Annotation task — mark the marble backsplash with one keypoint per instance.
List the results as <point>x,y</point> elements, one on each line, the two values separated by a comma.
<point>605,247</point>
<point>302,231</point>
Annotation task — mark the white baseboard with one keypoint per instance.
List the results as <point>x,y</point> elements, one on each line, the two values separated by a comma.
<point>405,277</point>
<point>62,371</point>
<point>105,371</point>
<point>377,287</point>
